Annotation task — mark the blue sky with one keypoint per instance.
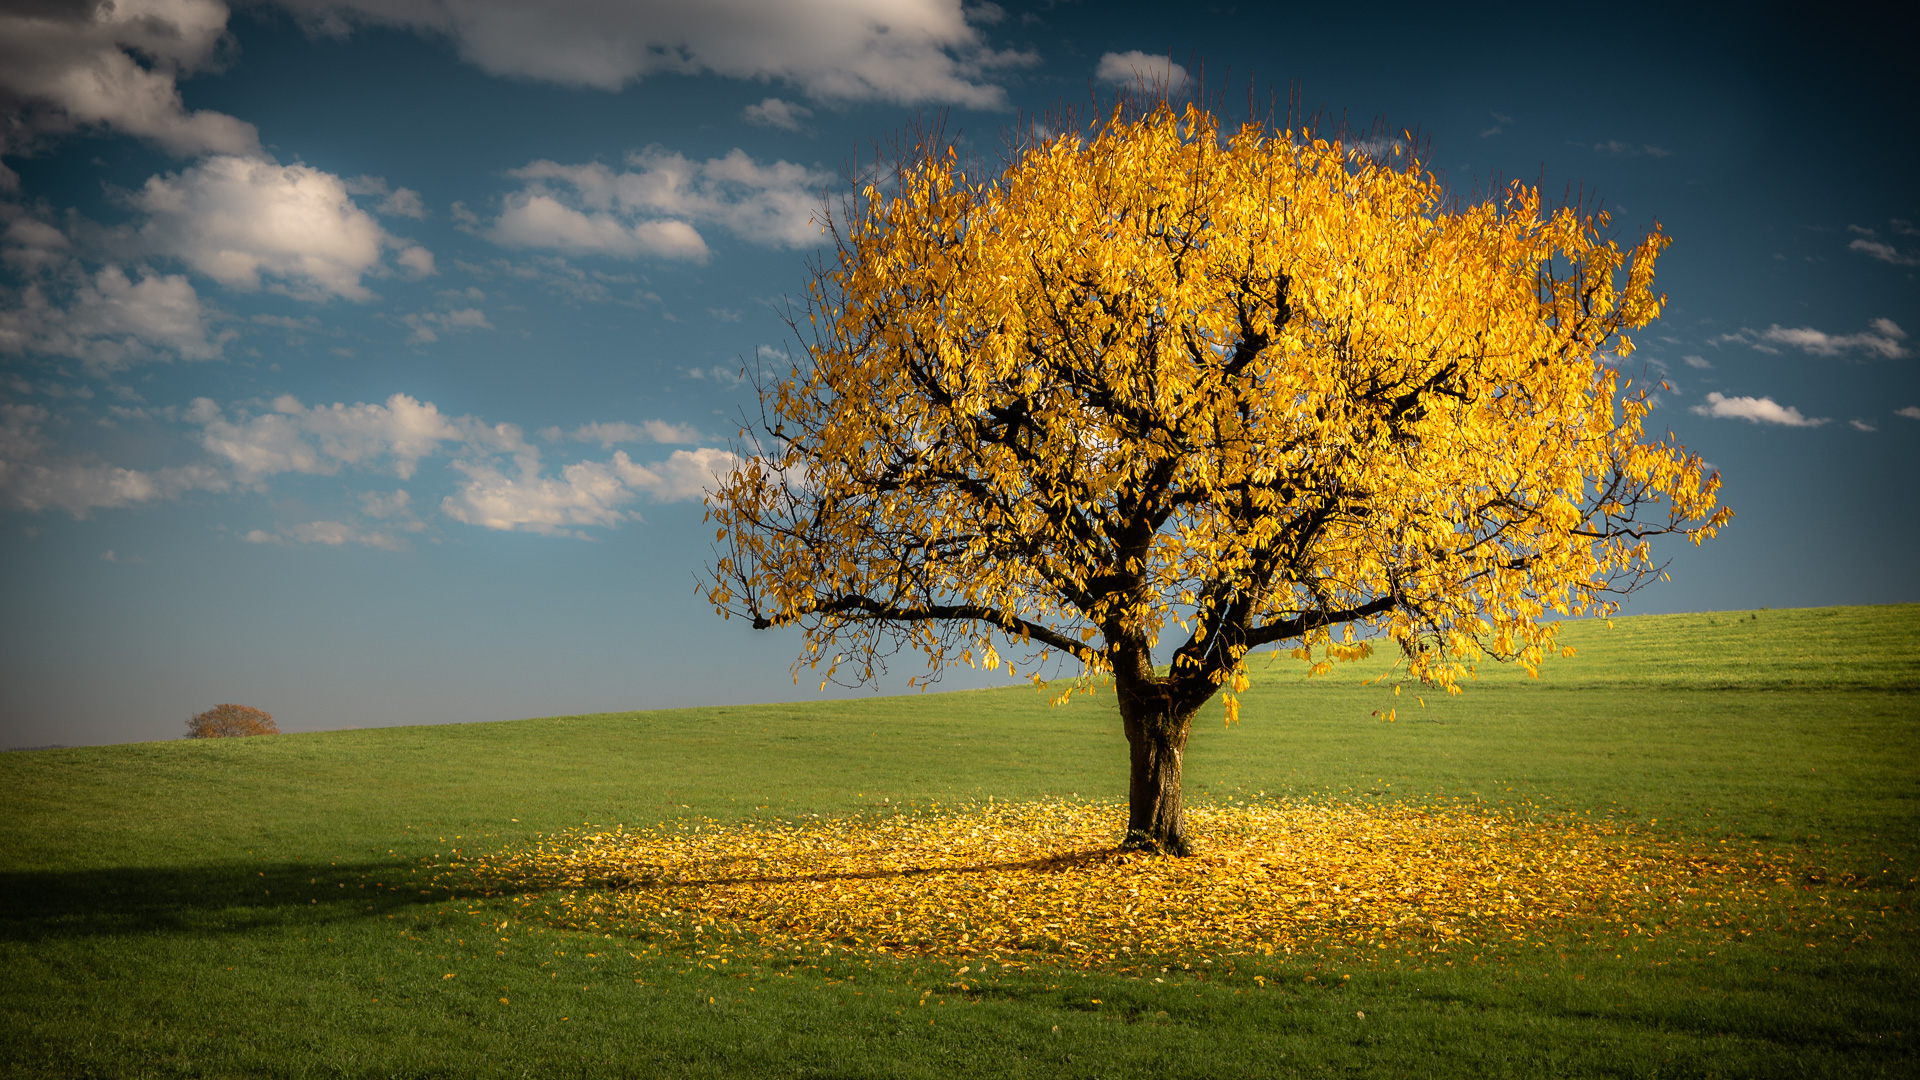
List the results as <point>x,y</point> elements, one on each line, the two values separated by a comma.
<point>363,362</point>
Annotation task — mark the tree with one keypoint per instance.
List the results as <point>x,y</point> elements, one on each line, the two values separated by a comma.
<point>1152,383</point>
<point>231,721</point>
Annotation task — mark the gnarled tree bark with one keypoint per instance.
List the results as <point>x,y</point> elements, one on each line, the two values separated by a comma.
<point>1157,728</point>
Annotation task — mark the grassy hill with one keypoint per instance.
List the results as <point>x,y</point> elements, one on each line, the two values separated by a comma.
<point>258,907</point>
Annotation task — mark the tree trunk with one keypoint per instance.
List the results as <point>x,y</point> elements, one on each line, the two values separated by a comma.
<point>1157,739</point>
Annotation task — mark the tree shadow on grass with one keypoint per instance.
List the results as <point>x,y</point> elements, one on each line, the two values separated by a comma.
<point>212,899</point>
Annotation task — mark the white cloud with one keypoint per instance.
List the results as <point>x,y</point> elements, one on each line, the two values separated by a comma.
<point>586,493</point>
<point>51,389</point>
<point>320,440</point>
<point>1697,361</point>
<point>107,320</point>
<point>109,556</point>
<point>1911,412</point>
<point>900,51</point>
<point>1885,252</point>
<point>416,261</point>
<point>403,202</point>
<point>321,532</point>
<point>32,480</point>
<point>239,220</point>
<point>538,219</point>
<point>688,474</point>
<point>394,202</point>
<point>31,247</point>
<point>520,498</point>
<point>1882,340</point>
<point>1616,148</point>
<point>305,324</point>
<point>66,66</point>
<point>718,373</point>
<point>395,506</point>
<point>336,533</point>
<point>386,504</point>
<point>328,534</point>
<point>1862,425</point>
<point>73,486</point>
<point>1763,410</point>
<point>505,485</point>
<point>562,278</point>
<point>610,435</point>
<point>458,321</point>
<point>651,208</point>
<point>773,112</point>
<point>1142,70</point>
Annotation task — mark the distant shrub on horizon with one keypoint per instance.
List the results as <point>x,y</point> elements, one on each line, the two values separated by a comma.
<point>231,721</point>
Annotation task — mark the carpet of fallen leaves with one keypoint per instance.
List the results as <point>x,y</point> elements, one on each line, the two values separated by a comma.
<point>1044,879</point>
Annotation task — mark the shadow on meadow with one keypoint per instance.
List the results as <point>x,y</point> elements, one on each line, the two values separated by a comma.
<point>36,906</point>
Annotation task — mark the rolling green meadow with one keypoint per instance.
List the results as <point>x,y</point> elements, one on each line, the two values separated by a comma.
<point>282,906</point>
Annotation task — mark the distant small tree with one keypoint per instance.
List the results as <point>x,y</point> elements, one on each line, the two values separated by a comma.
<point>230,721</point>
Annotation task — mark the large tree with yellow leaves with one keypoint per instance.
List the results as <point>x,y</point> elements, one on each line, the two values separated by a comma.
<point>1155,386</point>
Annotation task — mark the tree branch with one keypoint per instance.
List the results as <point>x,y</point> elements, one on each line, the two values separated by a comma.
<point>867,609</point>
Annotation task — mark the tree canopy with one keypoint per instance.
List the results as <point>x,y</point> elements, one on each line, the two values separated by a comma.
<point>231,721</point>
<point>1160,384</point>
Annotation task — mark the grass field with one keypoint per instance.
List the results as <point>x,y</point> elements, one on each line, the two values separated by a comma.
<point>282,905</point>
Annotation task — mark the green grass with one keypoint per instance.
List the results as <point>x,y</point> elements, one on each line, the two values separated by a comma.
<point>256,908</point>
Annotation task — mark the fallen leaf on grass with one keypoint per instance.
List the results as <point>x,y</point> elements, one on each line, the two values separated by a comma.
<point>1044,878</point>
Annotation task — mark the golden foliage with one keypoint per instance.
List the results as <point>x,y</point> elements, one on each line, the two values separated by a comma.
<point>231,721</point>
<point>1043,880</point>
<point>1250,384</point>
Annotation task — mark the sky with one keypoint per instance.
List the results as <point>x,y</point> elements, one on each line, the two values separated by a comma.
<point>365,362</point>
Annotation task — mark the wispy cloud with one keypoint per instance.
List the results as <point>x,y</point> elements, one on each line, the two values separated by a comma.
<point>1144,71</point>
<point>775,113</point>
<point>719,373</point>
<point>327,534</point>
<point>427,326</point>
<point>611,435</point>
<point>1867,242</point>
<point>522,498</point>
<point>504,481</point>
<point>652,207</point>
<point>68,66</point>
<point>1881,340</point>
<point>1761,410</point>
<point>1618,148</point>
<point>394,202</point>
<point>34,477</point>
<point>900,51</point>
